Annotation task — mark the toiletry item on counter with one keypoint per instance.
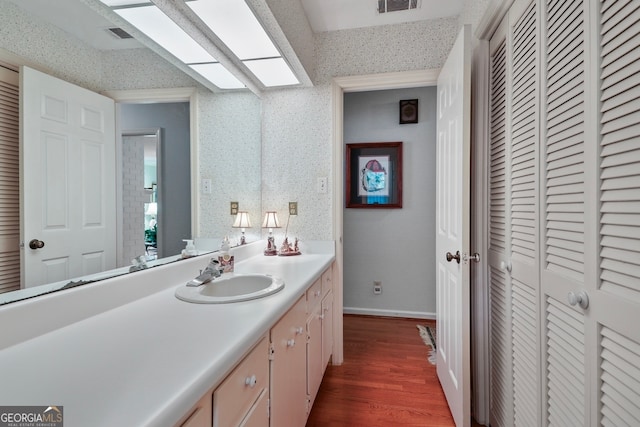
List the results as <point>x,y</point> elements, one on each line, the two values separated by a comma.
<point>224,257</point>
<point>189,250</point>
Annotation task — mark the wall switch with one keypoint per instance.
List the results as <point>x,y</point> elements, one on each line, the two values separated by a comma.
<point>293,208</point>
<point>322,185</point>
<point>206,186</point>
<point>377,287</point>
<point>234,206</point>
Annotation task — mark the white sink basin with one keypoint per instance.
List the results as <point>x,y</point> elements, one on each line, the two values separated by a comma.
<point>231,287</point>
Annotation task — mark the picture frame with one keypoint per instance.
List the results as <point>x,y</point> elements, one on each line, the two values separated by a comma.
<point>374,175</point>
<point>408,111</point>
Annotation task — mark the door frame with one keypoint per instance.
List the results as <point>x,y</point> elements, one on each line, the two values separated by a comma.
<point>340,85</point>
<point>155,96</point>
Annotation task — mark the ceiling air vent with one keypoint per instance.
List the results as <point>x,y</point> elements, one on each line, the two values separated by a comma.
<point>385,6</point>
<point>120,33</point>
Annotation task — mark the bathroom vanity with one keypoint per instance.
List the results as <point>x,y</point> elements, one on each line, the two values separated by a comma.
<point>126,351</point>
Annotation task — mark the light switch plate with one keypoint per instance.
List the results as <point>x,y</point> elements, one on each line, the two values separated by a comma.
<point>206,186</point>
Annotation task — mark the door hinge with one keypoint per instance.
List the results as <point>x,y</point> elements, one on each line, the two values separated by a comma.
<point>272,351</point>
<point>308,405</point>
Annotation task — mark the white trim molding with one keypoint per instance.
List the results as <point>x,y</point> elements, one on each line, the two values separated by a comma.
<point>340,85</point>
<point>389,313</point>
<point>182,94</point>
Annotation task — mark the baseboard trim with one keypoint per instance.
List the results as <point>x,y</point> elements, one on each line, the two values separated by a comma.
<point>389,313</point>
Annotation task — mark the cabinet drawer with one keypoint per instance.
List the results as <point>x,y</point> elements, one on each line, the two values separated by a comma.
<point>240,390</point>
<point>327,280</point>
<point>314,295</point>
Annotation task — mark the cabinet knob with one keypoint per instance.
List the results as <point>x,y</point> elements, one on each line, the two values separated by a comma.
<point>321,317</point>
<point>505,266</point>
<point>317,293</point>
<point>291,343</point>
<point>578,298</point>
<point>299,330</point>
<point>251,381</point>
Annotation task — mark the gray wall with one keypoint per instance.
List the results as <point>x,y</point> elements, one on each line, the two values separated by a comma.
<point>174,189</point>
<point>395,246</point>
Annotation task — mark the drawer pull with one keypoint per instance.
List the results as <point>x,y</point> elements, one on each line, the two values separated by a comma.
<point>251,381</point>
<point>291,343</point>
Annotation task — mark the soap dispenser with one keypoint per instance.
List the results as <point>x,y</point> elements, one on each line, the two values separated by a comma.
<point>189,250</point>
<point>225,259</point>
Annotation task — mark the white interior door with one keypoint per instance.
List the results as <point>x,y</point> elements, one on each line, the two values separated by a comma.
<point>453,228</point>
<point>68,180</point>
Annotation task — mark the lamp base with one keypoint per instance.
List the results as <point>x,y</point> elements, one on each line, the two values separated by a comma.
<point>270,252</point>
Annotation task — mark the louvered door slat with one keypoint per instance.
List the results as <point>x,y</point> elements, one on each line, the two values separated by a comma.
<point>501,370</point>
<point>620,370</point>
<point>564,142</point>
<point>9,182</point>
<point>620,155</point>
<point>524,354</point>
<point>497,175</point>
<point>565,364</point>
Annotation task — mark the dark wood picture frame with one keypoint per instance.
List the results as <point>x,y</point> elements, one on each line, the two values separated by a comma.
<point>408,111</point>
<point>374,175</point>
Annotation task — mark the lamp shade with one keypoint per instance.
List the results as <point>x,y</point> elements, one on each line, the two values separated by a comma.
<point>242,220</point>
<point>271,220</point>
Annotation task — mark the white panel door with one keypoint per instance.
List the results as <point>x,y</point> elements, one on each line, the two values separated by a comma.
<point>453,229</point>
<point>68,180</point>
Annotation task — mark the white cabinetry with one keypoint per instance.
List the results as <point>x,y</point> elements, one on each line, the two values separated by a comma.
<point>276,383</point>
<point>239,396</point>
<point>288,368</point>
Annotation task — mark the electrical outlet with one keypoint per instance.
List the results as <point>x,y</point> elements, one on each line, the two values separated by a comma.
<point>234,208</point>
<point>293,208</point>
<point>206,186</point>
<point>377,287</point>
<point>322,185</point>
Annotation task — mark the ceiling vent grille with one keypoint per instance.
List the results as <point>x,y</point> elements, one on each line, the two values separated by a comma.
<point>385,6</point>
<point>119,33</point>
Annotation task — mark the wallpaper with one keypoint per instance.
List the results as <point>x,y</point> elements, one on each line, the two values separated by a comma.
<point>297,123</point>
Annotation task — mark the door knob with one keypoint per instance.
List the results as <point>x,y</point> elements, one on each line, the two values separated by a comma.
<point>475,257</point>
<point>451,257</point>
<point>36,244</point>
<point>580,298</point>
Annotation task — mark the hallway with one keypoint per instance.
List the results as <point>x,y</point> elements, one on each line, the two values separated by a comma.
<point>385,380</point>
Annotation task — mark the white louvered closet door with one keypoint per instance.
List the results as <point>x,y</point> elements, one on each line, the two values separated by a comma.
<point>615,304</point>
<point>563,219</point>
<point>501,402</point>
<point>513,254</point>
<point>9,182</point>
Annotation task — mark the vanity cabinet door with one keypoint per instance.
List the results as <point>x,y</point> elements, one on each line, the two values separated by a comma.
<point>327,330</point>
<point>314,353</point>
<point>288,368</point>
<point>258,416</point>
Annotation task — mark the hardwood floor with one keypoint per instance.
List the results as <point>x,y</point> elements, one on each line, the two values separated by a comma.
<point>385,381</point>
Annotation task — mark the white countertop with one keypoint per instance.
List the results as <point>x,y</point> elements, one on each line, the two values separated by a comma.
<point>148,361</point>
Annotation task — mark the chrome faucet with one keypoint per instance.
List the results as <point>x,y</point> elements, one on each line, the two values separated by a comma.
<point>213,270</point>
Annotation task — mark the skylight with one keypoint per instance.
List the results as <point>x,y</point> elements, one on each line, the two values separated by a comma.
<point>233,23</point>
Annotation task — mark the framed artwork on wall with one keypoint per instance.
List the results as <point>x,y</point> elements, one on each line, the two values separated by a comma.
<point>374,175</point>
<point>408,111</point>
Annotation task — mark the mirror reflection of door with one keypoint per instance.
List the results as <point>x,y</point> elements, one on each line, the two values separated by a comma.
<point>140,155</point>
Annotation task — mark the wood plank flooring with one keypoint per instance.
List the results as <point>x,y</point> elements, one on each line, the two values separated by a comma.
<point>385,381</point>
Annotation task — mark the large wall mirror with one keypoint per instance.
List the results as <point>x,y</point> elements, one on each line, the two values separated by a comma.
<point>218,140</point>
